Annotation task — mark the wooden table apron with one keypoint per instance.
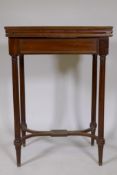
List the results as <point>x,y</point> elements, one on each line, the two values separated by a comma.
<point>58,40</point>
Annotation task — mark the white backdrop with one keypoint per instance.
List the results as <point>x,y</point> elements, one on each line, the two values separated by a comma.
<point>58,88</point>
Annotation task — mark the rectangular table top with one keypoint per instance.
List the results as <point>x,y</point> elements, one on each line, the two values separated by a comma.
<point>59,31</point>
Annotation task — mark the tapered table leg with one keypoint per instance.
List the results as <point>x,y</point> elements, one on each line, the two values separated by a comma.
<point>17,128</point>
<point>94,97</point>
<point>101,140</point>
<point>22,95</point>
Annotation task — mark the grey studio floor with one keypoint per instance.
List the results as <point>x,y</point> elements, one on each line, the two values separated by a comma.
<point>65,156</point>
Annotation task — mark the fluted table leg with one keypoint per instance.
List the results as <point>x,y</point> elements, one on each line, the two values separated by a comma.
<point>22,94</point>
<point>94,97</point>
<point>101,140</point>
<point>17,128</point>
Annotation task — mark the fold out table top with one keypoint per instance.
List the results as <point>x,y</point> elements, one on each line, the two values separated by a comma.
<point>59,31</point>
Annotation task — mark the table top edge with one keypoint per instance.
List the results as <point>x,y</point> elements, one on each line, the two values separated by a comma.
<point>60,31</point>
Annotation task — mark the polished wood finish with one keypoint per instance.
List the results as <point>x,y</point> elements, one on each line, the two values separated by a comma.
<point>58,40</point>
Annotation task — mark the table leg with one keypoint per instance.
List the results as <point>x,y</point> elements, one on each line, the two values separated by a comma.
<point>93,124</point>
<point>22,95</point>
<point>17,128</point>
<point>101,140</point>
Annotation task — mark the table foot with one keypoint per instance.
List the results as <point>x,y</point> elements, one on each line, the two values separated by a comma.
<point>18,151</point>
<point>100,150</point>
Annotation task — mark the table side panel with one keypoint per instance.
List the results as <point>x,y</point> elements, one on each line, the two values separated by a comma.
<point>53,46</point>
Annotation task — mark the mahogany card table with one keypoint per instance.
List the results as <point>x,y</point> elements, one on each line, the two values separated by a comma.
<point>25,40</point>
